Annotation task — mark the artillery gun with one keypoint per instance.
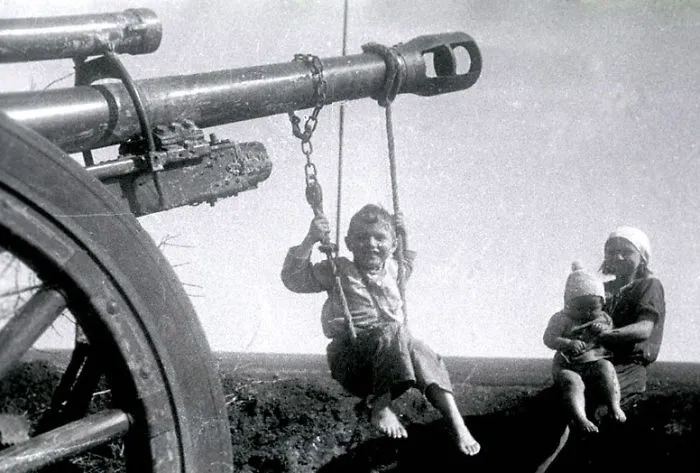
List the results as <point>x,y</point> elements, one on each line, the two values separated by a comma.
<point>73,224</point>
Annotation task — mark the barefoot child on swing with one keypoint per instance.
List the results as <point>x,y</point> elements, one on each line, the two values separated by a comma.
<point>372,354</point>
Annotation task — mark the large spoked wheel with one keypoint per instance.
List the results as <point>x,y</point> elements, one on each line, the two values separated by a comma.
<point>94,260</point>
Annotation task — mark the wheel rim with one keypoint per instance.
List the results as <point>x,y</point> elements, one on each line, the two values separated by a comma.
<point>84,245</point>
<point>141,414</point>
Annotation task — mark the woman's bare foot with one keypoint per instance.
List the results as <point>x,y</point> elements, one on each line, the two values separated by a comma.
<point>618,414</point>
<point>386,420</point>
<point>465,441</point>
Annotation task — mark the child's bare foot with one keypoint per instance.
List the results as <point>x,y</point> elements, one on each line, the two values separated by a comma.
<point>585,425</point>
<point>466,443</point>
<point>618,414</point>
<point>388,423</point>
<point>444,401</point>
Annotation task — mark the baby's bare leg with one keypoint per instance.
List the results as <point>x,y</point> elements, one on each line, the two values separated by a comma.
<point>444,401</point>
<point>610,385</point>
<point>572,388</point>
<point>386,420</point>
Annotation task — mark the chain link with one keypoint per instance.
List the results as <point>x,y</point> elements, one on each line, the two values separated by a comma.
<point>320,90</point>
<point>314,194</point>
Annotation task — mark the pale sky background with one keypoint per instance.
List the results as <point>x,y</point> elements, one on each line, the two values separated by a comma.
<point>585,118</point>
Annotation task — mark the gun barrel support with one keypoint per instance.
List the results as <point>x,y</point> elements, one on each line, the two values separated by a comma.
<point>88,117</point>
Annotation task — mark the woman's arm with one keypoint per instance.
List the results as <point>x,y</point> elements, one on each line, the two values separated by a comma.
<point>648,310</point>
<point>635,332</point>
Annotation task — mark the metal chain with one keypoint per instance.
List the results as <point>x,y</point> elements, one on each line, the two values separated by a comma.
<point>320,89</point>
<point>313,187</point>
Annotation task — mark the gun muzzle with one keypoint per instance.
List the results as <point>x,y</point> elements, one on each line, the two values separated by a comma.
<point>89,117</point>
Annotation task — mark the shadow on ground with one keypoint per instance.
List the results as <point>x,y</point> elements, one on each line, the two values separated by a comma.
<point>661,435</point>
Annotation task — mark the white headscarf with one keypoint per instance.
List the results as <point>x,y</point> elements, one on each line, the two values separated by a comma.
<point>638,238</point>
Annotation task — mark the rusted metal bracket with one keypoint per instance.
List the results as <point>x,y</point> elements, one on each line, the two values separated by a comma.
<point>110,66</point>
<point>193,170</point>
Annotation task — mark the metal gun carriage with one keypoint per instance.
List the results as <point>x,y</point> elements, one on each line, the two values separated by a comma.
<point>74,224</point>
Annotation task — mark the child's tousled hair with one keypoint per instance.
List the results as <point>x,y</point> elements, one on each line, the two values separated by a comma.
<point>369,215</point>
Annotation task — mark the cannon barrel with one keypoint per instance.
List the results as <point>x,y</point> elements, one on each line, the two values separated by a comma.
<point>99,115</point>
<point>133,31</point>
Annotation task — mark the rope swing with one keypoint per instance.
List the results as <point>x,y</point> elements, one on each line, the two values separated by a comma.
<point>394,79</point>
<point>341,129</point>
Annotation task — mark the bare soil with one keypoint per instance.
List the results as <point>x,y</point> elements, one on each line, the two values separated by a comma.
<point>288,415</point>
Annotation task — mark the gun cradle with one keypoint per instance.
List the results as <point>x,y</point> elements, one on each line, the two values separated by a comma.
<point>189,172</point>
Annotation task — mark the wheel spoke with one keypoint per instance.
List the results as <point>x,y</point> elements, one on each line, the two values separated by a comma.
<point>61,226</point>
<point>28,324</point>
<point>64,442</point>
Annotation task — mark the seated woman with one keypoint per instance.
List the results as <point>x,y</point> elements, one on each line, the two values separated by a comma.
<point>635,301</point>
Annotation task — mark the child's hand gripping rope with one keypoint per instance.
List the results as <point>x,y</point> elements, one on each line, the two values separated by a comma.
<point>320,230</point>
<point>314,196</point>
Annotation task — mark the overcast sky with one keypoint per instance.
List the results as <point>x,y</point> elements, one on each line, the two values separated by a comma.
<point>585,118</point>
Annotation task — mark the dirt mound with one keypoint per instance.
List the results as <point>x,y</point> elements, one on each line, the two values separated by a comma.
<point>28,388</point>
<point>308,424</point>
<point>284,425</point>
<point>304,422</point>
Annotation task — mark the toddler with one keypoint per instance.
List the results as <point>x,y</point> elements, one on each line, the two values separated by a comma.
<point>574,333</point>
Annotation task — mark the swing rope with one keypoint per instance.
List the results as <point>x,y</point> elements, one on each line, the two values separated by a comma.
<point>341,131</point>
<point>337,282</point>
<point>394,79</point>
